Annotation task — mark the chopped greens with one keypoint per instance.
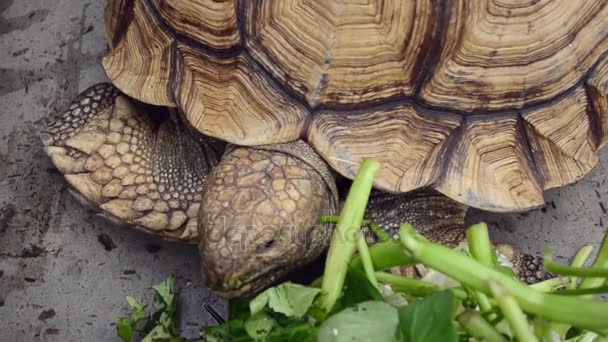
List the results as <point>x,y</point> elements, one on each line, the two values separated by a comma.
<point>429,319</point>
<point>160,325</point>
<point>290,299</point>
<point>366,321</point>
<point>259,325</point>
<point>470,297</point>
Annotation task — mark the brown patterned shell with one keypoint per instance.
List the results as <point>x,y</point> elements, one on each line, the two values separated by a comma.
<point>491,102</point>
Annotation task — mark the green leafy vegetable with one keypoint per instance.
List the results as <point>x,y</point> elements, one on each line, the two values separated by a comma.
<point>159,334</point>
<point>465,294</point>
<point>429,319</point>
<point>259,325</point>
<point>368,321</point>
<point>238,308</point>
<point>165,303</point>
<point>290,299</point>
<point>233,330</point>
<point>296,332</point>
<point>357,289</point>
<point>161,325</point>
<point>584,313</point>
<point>124,329</point>
<point>137,310</point>
<point>166,290</point>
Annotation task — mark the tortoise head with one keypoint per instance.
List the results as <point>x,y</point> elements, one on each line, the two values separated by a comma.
<point>259,215</point>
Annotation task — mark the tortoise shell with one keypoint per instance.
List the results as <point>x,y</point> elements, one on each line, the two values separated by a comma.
<point>490,102</point>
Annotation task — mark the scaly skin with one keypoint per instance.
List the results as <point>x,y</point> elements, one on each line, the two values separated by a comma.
<point>132,169</point>
<point>441,220</point>
<point>260,213</point>
<point>254,212</point>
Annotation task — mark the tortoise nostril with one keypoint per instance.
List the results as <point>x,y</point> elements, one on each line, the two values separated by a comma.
<point>266,246</point>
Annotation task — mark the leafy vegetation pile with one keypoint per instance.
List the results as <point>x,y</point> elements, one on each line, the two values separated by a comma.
<point>478,299</point>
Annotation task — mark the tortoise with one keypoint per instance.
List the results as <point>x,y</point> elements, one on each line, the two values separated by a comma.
<point>233,124</point>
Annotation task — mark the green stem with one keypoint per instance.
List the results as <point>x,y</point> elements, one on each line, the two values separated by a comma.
<point>483,301</point>
<point>554,267</point>
<point>317,282</point>
<point>579,261</point>
<point>585,291</point>
<point>542,330</point>
<point>460,293</point>
<point>480,248</point>
<point>587,336</point>
<point>550,285</point>
<point>416,287</point>
<point>368,265</point>
<point>373,226</point>
<point>476,326</point>
<point>410,286</point>
<point>380,233</point>
<point>343,242</point>
<point>584,313</point>
<point>385,255</point>
<point>329,218</point>
<point>512,312</point>
<point>601,261</point>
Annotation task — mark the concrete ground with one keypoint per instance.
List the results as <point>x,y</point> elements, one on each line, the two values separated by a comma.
<point>58,281</point>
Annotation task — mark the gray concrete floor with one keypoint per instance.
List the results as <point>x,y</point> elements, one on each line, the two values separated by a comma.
<point>57,281</point>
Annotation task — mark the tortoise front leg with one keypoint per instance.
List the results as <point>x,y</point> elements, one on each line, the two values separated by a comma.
<point>441,220</point>
<point>133,166</point>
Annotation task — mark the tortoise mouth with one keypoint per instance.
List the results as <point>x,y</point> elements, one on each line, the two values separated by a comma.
<point>243,286</point>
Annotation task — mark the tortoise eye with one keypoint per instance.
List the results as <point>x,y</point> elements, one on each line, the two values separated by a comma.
<point>266,246</point>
